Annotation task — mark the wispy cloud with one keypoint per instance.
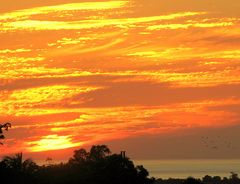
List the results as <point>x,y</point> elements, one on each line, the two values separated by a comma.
<point>9,51</point>
<point>88,24</point>
<point>80,73</point>
<point>85,6</point>
<point>187,25</point>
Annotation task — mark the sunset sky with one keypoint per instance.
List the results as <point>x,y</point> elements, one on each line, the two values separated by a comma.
<point>137,75</point>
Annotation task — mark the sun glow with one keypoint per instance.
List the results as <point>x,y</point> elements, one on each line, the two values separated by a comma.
<point>52,142</point>
<point>74,72</point>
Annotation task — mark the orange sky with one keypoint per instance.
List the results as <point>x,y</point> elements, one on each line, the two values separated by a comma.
<point>76,73</point>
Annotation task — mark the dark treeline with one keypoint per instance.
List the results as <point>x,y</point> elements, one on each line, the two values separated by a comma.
<point>233,179</point>
<point>97,166</point>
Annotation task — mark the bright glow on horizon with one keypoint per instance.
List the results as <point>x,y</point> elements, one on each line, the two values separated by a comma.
<point>52,142</point>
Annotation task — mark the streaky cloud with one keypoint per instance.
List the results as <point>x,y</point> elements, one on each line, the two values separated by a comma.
<point>84,6</point>
<point>37,25</point>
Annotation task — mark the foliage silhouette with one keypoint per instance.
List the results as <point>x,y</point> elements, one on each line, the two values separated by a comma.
<point>4,126</point>
<point>17,164</point>
<point>233,179</point>
<point>97,166</point>
<point>192,180</point>
<point>17,170</point>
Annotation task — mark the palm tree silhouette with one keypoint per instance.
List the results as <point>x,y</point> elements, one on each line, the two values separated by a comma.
<point>17,163</point>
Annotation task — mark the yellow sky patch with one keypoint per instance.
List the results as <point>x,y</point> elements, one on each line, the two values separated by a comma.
<point>52,142</point>
<point>88,24</point>
<point>85,6</point>
<point>116,69</point>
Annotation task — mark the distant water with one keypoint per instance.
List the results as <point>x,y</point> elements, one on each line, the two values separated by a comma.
<point>184,168</point>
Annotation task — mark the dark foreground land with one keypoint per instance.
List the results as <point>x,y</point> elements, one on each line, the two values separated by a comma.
<point>98,166</point>
<point>233,179</point>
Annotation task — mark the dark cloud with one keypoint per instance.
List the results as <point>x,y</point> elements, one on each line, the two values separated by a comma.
<point>234,108</point>
<point>43,119</point>
<point>230,8</point>
<point>95,80</point>
<point>186,143</point>
<point>223,40</point>
<point>153,94</point>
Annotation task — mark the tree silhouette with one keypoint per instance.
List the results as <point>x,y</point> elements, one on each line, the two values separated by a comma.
<point>17,163</point>
<point>79,156</point>
<point>99,152</point>
<point>4,126</point>
<point>15,170</point>
<point>97,166</point>
<point>100,166</point>
<point>234,177</point>
<point>191,180</point>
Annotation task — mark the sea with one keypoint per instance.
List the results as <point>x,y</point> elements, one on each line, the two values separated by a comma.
<point>184,168</point>
<point>196,168</point>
